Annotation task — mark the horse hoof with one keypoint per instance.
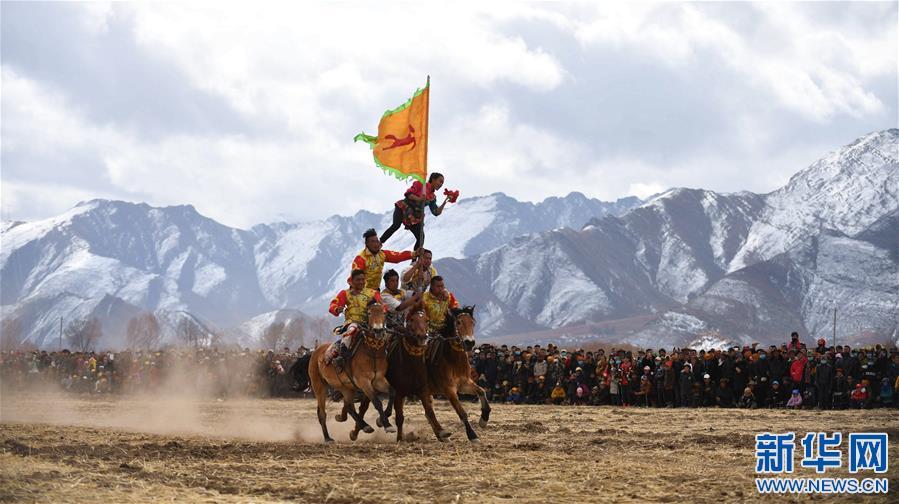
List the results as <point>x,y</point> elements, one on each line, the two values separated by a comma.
<point>368,429</point>
<point>475,440</point>
<point>444,435</point>
<point>354,435</point>
<point>340,417</point>
<point>390,429</point>
<point>482,423</point>
<point>328,440</point>
<point>378,422</point>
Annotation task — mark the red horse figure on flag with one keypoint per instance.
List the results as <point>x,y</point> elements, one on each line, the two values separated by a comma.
<point>399,142</point>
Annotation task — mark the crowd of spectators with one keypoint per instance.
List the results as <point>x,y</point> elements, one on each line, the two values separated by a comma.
<point>202,371</point>
<point>789,376</point>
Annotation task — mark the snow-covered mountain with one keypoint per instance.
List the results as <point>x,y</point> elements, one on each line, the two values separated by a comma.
<point>753,267</point>
<point>113,259</point>
<point>687,265</point>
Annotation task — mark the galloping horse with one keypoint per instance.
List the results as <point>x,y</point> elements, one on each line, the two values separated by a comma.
<point>449,369</point>
<point>365,371</point>
<point>408,375</point>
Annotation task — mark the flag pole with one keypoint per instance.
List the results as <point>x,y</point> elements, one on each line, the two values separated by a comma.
<point>427,121</point>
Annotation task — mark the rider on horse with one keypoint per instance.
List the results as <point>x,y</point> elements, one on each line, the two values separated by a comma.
<point>372,258</point>
<point>353,303</point>
<point>397,300</point>
<point>417,277</point>
<point>437,303</point>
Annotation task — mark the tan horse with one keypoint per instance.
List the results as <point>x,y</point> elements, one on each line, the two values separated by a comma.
<point>449,369</point>
<point>365,371</point>
<point>408,375</point>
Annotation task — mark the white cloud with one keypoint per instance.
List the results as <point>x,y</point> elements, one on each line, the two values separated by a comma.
<point>813,73</point>
<point>310,78</point>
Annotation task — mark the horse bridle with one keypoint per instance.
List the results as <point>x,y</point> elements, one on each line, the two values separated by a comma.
<point>414,349</point>
<point>455,341</point>
<point>375,343</point>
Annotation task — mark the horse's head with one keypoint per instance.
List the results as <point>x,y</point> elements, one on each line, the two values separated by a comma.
<point>417,325</point>
<point>377,317</point>
<point>464,322</point>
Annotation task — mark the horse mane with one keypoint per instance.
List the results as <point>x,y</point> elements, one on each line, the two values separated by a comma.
<point>469,309</point>
<point>449,328</point>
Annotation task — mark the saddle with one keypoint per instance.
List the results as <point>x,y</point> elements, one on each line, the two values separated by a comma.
<point>355,340</point>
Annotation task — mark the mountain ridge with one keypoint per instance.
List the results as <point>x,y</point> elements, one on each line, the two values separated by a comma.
<point>685,261</point>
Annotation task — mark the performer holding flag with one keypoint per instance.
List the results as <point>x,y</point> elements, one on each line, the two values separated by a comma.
<point>401,149</point>
<point>409,211</point>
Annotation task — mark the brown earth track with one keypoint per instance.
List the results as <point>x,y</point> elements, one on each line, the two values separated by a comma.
<point>65,449</point>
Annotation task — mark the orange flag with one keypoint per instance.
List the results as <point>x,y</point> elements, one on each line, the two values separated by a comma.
<point>401,147</point>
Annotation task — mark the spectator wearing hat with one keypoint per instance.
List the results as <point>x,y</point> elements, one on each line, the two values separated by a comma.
<point>747,400</point>
<point>614,388</point>
<point>776,396</point>
<point>643,394</point>
<point>795,401</point>
<point>824,375</point>
<point>840,395</point>
<point>794,342</point>
<point>885,399</point>
<point>709,395</point>
<point>558,393</point>
<point>514,396</point>
<point>852,367</point>
<point>859,397</point>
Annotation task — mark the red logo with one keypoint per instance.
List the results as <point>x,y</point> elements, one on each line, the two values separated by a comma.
<point>399,142</point>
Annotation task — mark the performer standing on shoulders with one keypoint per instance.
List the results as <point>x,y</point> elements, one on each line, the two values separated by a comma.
<point>409,211</point>
<point>397,300</point>
<point>417,277</point>
<point>372,258</point>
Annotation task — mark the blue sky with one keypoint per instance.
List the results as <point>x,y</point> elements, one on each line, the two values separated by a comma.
<point>248,112</point>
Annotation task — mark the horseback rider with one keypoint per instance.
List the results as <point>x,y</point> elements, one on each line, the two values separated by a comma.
<point>353,303</point>
<point>409,211</point>
<point>417,277</point>
<point>437,302</point>
<point>372,258</point>
<point>397,300</point>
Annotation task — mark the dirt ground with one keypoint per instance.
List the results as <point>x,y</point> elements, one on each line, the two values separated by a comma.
<point>67,449</point>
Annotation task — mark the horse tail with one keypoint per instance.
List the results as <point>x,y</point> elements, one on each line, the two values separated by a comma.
<point>300,372</point>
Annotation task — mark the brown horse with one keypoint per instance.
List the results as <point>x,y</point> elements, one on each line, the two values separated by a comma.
<point>449,369</point>
<point>408,375</point>
<point>365,371</point>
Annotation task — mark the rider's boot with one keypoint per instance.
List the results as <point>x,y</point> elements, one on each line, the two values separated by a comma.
<point>338,359</point>
<point>343,350</point>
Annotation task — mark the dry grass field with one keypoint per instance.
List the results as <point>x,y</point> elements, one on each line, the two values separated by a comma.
<point>67,449</point>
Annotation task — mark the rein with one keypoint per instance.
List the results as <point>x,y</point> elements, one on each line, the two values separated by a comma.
<point>413,349</point>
